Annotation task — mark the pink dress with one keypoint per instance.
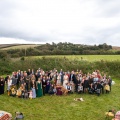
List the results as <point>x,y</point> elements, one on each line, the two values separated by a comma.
<point>30,95</point>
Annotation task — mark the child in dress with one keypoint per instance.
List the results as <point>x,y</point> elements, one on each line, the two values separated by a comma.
<point>54,90</point>
<point>107,88</point>
<point>9,83</point>
<point>25,94</point>
<point>30,94</point>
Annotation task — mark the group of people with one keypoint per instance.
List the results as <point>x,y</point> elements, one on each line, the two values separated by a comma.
<point>32,84</point>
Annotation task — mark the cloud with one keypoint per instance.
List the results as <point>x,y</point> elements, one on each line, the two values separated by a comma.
<point>109,8</point>
<point>47,21</point>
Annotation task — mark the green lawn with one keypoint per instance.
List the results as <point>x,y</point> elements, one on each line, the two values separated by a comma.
<point>64,107</point>
<point>90,58</point>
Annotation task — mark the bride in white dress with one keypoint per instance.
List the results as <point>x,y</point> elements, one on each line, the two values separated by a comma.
<point>65,80</point>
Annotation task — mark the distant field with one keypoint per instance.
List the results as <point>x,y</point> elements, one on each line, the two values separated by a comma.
<point>84,57</point>
<point>115,48</point>
<point>17,46</point>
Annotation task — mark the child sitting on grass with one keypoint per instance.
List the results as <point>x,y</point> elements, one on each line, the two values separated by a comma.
<point>30,94</point>
<point>107,88</point>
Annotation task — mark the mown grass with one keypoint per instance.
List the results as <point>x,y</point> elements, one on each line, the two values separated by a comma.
<point>64,107</point>
<point>90,58</point>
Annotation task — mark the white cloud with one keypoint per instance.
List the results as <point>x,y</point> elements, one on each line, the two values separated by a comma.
<point>76,21</point>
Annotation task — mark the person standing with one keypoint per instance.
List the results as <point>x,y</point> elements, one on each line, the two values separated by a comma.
<point>18,76</point>
<point>65,80</point>
<point>110,82</point>
<point>2,84</point>
<point>39,88</point>
<point>85,84</point>
<point>77,83</point>
<point>9,83</point>
<point>61,74</point>
<point>48,84</point>
<point>27,81</point>
<point>58,79</point>
<point>33,88</point>
<point>72,80</point>
<point>44,83</point>
<point>14,80</point>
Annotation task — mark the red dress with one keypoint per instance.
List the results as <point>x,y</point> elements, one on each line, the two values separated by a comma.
<point>58,89</point>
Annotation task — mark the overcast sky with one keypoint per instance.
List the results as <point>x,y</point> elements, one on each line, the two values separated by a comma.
<point>45,21</point>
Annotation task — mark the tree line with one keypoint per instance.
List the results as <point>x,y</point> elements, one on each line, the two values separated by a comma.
<point>60,49</point>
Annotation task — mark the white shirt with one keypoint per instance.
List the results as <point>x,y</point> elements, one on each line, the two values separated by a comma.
<point>9,82</point>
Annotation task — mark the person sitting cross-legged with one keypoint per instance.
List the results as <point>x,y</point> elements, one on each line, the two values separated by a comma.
<point>69,88</point>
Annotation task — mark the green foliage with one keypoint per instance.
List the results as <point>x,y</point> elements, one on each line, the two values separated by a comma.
<point>3,54</point>
<point>5,67</point>
<point>64,107</point>
<point>73,49</point>
<point>22,58</point>
<point>105,64</point>
<point>60,49</point>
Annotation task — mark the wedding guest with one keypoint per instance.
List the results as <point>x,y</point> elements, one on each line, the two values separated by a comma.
<point>2,85</point>
<point>9,83</point>
<point>44,83</point>
<point>47,84</point>
<point>69,88</point>
<point>51,90</point>
<point>33,88</point>
<point>58,89</point>
<point>39,88</point>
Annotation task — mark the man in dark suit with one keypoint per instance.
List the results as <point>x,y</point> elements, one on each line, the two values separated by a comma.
<point>18,76</point>
<point>44,83</point>
<point>14,80</point>
<point>72,79</point>
<point>2,85</point>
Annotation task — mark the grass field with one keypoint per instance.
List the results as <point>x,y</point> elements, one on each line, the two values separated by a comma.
<point>17,46</point>
<point>64,107</point>
<point>90,58</point>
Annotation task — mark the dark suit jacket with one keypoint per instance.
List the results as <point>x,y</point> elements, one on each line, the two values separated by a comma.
<point>73,78</point>
<point>44,83</point>
<point>32,85</point>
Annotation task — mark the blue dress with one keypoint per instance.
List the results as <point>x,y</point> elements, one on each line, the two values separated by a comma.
<point>34,92</point>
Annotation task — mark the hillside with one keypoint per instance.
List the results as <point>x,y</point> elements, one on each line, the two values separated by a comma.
<point>115,48</point>
<point>17,46</point>
<point>19,50</point>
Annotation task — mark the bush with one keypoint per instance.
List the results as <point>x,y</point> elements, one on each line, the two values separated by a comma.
<point>22,58</point>
<point>47,63</point>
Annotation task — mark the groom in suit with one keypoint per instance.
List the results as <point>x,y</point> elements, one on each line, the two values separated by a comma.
<point>72,79</point>
<point>44,83</point>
